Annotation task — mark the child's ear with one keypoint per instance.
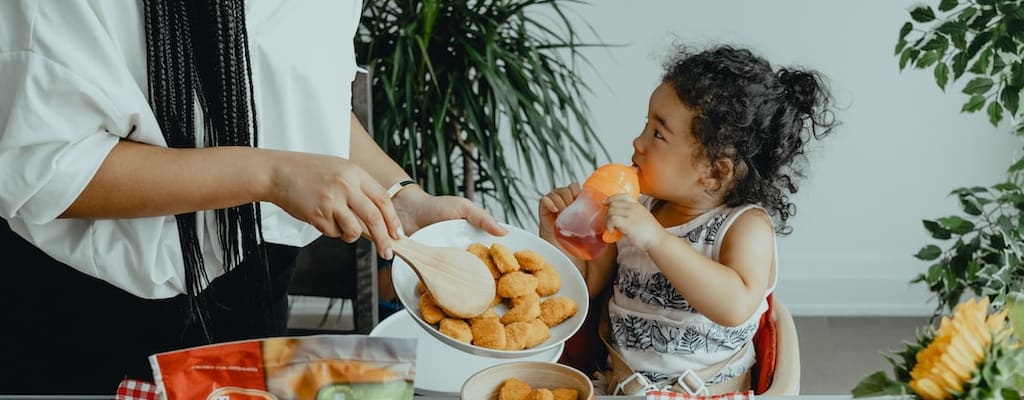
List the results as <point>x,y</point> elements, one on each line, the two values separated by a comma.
<point>719,175</point>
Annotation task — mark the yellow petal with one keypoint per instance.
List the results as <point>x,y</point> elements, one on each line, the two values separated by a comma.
<point>928,390</point>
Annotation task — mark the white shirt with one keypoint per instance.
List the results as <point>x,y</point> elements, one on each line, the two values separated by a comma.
<point>73,82</point>
<point>657,332</point>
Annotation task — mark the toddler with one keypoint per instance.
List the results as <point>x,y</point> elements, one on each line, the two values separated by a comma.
<point>718,157</point>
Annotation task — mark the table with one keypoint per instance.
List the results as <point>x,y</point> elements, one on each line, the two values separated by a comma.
<point>806,397</point>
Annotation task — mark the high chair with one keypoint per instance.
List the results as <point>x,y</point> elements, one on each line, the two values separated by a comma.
<point>585,351</point>
<point>786,378</point>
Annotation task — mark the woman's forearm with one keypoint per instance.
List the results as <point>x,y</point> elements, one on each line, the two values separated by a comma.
<point>140,180</point>
<point>366,153</point>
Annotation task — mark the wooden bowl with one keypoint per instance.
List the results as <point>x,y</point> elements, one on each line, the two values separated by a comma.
<point>485,385</point>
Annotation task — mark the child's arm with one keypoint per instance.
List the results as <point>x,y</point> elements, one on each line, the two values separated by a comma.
<point>727,292</point>
<point>597,273</point>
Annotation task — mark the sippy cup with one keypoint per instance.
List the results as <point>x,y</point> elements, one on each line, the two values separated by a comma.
<point>580,228</point>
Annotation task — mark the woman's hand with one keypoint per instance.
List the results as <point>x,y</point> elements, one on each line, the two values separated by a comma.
<point>634,221</point>
<point>334,195</point>
<point>552,204</point>
<point>417,209</point>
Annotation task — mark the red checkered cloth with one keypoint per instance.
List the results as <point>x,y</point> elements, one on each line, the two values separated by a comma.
<point>131,389</point>
<point>666,395</point>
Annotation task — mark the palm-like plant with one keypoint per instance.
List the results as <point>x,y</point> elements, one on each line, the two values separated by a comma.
<point>451,77</point>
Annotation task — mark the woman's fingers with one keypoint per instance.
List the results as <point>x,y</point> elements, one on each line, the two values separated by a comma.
<point>480,218</point>
<point>367,208</point>
<point>347,223</point>
<point>380,198</point>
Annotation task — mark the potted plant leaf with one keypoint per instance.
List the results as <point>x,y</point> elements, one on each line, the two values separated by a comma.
<point>979,252</point>
<point>455,82</point>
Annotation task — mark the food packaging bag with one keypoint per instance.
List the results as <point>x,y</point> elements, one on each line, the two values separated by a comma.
<point>320,367</point>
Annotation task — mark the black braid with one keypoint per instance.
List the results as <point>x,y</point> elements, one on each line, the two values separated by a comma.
<point>199,47</point>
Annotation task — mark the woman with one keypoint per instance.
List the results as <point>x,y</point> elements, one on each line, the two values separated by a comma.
<point>166,160</point>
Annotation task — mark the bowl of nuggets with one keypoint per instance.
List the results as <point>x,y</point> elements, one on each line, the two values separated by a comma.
<point>541,299</point>
<point>526,380</point>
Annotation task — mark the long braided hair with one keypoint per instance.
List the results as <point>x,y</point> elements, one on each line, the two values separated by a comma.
<point>200,47</point>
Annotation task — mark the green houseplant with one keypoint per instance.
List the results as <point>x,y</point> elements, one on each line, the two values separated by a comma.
<point>973,353</point>
<point>980,252</point>
<point>451,79</point>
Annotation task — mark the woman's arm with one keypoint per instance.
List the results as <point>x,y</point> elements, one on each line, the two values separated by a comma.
<point>366,153</point>
<point>333,194</point>
<point>141,180</point>
<point>415,207</point>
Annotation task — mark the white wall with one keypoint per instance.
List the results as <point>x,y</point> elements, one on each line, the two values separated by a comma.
<point>902,146</point>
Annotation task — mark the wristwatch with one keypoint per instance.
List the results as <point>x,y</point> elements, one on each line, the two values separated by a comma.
<point>398,186</point>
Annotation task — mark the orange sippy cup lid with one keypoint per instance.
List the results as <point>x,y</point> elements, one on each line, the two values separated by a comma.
<point>614,178</point>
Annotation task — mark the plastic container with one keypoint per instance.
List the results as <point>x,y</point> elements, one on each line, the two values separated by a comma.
<point>580,228</point>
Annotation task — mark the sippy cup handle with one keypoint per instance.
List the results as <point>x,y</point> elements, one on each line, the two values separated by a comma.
<point>611,236</point>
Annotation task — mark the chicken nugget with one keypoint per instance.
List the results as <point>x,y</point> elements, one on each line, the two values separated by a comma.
<point>514,342</point>
<point>529,260</point>
<point>496,300</point>
<point>565,394</point>
<point>522,313</point>
<point>515,284</point>
<point>503,258</point>
<point>526,298</point>
<point>514,389</point>
<point>536,333</point>
<point>529,333</point>
<point>419,287</point>
<point>431,312</point>
<point>557,309</point>
<point>484,254</point>
<point>541,394</point>
<point>489,333</point>
<point>490,313</point>
<point>548,281</point>
<point>457,329</point>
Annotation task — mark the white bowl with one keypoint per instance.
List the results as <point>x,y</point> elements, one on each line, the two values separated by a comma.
<point>439,370</point>
<point>486,384</point>
<point>460,233</point>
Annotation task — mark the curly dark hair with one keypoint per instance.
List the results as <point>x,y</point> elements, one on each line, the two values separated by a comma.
<point>756,116</point>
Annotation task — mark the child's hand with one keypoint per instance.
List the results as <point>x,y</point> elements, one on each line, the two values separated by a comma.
<point>634,221</point>
<point>553,203</point>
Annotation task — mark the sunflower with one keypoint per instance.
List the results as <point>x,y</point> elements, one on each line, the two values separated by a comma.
<point>960,345</point>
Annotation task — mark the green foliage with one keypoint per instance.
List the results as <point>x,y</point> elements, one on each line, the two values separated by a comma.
<point>1000,374</point>
<point>985,254</point>
<point>451,77</point>
<point>902,362</point>
<point>980,42</point>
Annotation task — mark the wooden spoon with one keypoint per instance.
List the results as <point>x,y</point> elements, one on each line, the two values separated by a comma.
<point>458,281</point>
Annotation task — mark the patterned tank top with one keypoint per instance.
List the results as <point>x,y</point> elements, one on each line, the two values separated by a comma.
<point>656,330</point>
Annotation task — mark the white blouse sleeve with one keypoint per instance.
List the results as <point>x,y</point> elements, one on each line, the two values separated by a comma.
<point>66,98</point>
